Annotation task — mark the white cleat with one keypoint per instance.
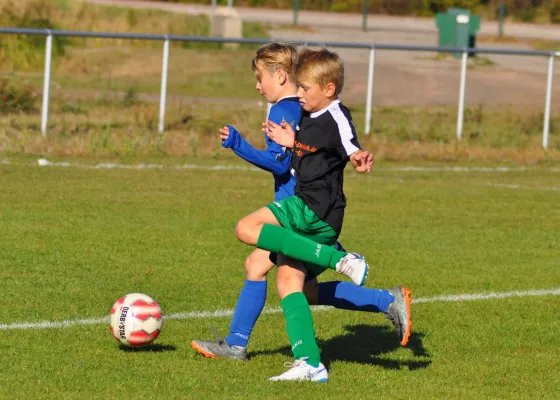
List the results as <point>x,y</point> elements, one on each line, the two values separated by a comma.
<point>301,371</point>
<point>354,266</point>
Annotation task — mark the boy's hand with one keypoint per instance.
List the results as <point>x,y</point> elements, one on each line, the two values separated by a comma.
<point>224,133</point>
<point>362,161</point>
<point>230,137</point>
<point>282,134</point>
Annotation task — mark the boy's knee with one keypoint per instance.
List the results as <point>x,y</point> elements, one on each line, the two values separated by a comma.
<point>257,268</point>
<point>238,230</point>
<point>242,231</point>
<point>247,231</point>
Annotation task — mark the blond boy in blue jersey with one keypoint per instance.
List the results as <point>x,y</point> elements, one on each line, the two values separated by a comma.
<point>274,67</point>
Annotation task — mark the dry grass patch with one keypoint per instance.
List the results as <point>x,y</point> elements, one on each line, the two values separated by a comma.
<point>113,127</point>
<point>536,44</point>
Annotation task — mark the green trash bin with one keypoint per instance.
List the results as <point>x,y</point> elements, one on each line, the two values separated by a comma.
<point>457,28</point>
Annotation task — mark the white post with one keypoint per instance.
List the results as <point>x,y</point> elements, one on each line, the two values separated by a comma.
<point>212,15</point>
<point>268,107</point>
<point>369,98</point>
<point>461,110</point>
<point>163,94</point>
<point>546,125</point>
<point>230,6</point>
<point>214,5</point>
<point>46,85</point>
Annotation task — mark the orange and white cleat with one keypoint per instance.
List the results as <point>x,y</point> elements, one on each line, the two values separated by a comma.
<point>399,312</point>
<point>219,348</point>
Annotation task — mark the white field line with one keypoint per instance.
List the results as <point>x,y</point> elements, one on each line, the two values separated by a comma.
<point>509,186</point>
<point>229,313</point>
<point>45,163</point>
<point>454,169</point>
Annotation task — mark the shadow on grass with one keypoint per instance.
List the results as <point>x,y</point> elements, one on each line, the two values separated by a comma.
<point>367,344</point>
<point>155,348</point>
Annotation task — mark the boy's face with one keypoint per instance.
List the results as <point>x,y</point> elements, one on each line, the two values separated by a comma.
<point>312,97</point>
<point>269,84</point>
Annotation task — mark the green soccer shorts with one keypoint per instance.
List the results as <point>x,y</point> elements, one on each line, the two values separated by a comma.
<point>293,214</point>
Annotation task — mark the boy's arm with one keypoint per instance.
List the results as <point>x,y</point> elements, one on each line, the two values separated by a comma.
<point>361,160</point>
<point>273,159</point>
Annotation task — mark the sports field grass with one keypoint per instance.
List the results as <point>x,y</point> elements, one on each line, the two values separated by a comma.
<point>73,239</point>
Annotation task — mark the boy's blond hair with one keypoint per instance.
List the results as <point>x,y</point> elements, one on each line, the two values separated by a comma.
<point>322,67</point>
<point>274,56</point>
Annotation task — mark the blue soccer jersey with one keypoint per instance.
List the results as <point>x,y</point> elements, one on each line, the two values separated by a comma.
<point>275,158</point>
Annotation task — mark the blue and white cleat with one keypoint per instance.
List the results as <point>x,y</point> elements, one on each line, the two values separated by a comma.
<point>354,266</point>
<point>301,371</point>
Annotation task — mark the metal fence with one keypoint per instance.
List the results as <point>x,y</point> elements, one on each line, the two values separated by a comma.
<point>372,48</point>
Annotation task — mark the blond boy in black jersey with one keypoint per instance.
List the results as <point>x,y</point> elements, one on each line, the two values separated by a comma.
<point>302,228</point>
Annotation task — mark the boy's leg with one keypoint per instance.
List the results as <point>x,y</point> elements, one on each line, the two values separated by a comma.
<point>251,299</point>
<point>277,239</point>
<point>299,324</point>
<point>346,296</point>
<point>263,229</point>
<point>248,309</point>
<point>249,228</point>
<point>292,220</point>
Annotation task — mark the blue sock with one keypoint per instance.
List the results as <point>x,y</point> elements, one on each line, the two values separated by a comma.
<point>249,306</point>
<point>347,296</point>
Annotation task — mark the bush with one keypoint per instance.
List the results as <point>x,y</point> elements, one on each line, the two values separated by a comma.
<point>27,51</point>
<point>555,12</point>
<point>16,99</point>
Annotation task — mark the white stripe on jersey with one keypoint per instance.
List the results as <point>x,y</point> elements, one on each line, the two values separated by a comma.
<point>344,128</point>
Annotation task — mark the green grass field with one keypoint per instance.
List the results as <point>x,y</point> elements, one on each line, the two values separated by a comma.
<point>74,239</point>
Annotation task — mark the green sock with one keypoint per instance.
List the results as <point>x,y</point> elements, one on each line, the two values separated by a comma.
<point>299,325</point>
<point>281,240</point>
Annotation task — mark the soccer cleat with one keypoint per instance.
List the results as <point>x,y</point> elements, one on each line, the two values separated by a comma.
<point>353,266</point>
<point>301,371</point>
<point>219,349</point>
<point>399,312</point>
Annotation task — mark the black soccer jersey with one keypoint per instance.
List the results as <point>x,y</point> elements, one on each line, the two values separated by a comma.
<point>323,144</point>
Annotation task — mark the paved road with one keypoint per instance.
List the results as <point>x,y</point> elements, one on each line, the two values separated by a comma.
<point>408,78</point>
<point>376,23</point>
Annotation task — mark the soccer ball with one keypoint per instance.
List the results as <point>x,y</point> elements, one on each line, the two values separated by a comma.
<point>136,320</point>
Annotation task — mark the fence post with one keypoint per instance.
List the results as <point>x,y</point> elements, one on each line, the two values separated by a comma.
<point>501,16</point>
<point>365,15</point>
<point>46,84</point>
<point>546,124</point>
<point>163,94</point>
<point>296,11</point>
<point>212,17</point>
<point>369,98</point>
<point>461,110</point>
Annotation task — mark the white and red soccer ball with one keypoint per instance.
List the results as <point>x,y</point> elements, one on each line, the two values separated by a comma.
<point>136,320</point>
